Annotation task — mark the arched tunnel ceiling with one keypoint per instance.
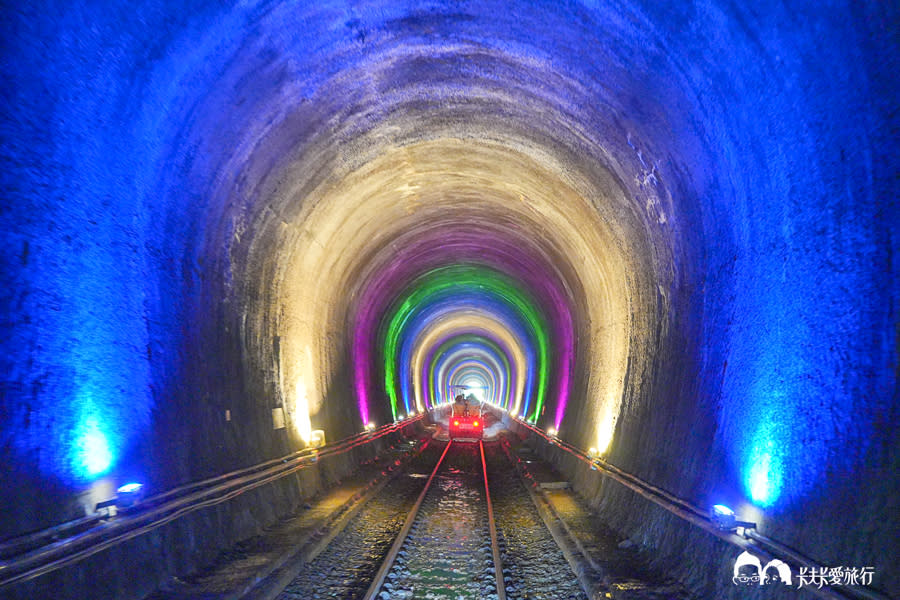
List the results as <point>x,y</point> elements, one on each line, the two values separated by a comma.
<point>462,152</point>
<point>529,240</point>
<point>650,225</point>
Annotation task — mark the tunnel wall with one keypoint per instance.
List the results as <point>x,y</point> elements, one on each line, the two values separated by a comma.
<point>686,553</point>
<point>188,545</point>
<point>740,161</point>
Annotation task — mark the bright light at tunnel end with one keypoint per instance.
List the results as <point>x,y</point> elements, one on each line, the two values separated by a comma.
<point>474,388</point>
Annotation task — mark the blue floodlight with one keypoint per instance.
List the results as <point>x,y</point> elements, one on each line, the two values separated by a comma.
<point>129,494</point>
<point>725,519</point>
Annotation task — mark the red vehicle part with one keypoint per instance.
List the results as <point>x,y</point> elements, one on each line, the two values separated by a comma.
<point>466,427</point>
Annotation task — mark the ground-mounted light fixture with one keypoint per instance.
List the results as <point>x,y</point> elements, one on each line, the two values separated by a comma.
<point>725,519</point>
<point>127,495</point>
<point>594,455</point>
<point>370,427</point>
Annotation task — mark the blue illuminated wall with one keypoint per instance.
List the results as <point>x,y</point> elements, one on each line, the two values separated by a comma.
<point>95,266</point>
<point>75,298</point>
<point>806,358</point>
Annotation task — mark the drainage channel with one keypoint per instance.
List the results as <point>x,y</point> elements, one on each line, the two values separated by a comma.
<point>534,566</point>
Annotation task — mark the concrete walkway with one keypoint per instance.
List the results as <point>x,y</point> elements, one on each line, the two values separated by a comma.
<point>609,565</point>
<point>259,568</point>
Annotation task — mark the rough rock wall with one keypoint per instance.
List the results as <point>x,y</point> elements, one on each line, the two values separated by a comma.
<point>733,285</point>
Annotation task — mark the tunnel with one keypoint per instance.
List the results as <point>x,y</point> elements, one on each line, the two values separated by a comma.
<point>665,231</point>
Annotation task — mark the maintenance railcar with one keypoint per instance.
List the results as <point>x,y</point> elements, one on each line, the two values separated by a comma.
<point>465,422</point>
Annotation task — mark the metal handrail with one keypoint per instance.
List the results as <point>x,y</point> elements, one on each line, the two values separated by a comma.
<point>700,518</point>
<point>155,511</point>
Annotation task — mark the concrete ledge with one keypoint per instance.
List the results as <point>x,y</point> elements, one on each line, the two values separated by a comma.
<point>139,567</point>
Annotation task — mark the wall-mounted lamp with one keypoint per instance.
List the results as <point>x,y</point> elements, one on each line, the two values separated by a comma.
<point>594,455</point>
<point>725,519</point>
<point>317,438</point>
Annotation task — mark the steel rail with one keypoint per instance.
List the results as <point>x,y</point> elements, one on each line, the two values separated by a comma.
<point>750,539</point>
<point>495,546</point>
<point>155,512</point>
<point>391,556</point>
<point>15,546</point>
<point>559,531</point>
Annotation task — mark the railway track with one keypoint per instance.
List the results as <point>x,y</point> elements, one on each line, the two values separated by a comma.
<point>535,566</point>
<point>345,568</point>
<point>432,534</point>
<point>448,545</point>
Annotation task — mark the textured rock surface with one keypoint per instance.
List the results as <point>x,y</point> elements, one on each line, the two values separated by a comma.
<point>200,201</point>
